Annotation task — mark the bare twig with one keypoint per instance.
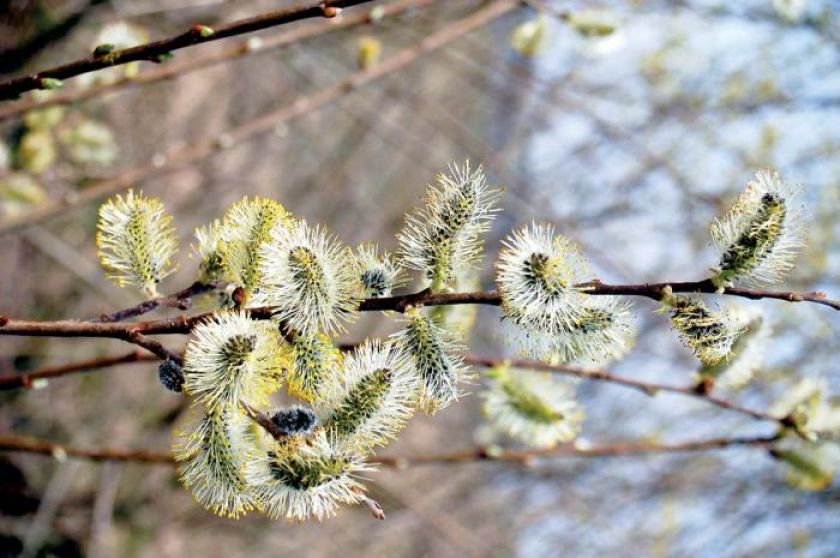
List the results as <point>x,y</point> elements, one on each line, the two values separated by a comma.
<point>649,388</point>
<point>375,509</point>
<point>648,290</point>
<point>157,51</point>
<point>244,48</point>
<point>26,380</point>
<point>153,346</point>
<point>43,447</point>
<point>181,300</point>
<point>180,157</point>
<point>264,421</point>
<point>525,457</point>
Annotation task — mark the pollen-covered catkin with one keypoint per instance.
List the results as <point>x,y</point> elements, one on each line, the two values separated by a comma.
<point>231,358</point>
<point>372,400</point>
<point>379,275</point>
<point>247,226</point>
<point>208,250</point>
<point>746,354</point>
<point>315,363</point>
<point>436,359</point>
<point>212,457</point>
<point>308,277</point>
<point>444,236</point>
<point>809,404</point>
<point>305,478</point>
<point>707,333</point>
<point>538,273</point>
<point>136,241</point>
<point>531,407</point>
<point>759,237</point>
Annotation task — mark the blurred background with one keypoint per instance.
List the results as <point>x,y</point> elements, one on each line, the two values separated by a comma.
<point>629,125</point>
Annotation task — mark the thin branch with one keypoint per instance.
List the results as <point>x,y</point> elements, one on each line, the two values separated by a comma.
<point>44,447</point>
<point>244,48</point>
<point>12,59</point>
<point>157,51</point>
<point>649,388</point>
<point>264,421</point>
<point>180,157</point>
<point>647,290</point>
<point>183,324</point>
<point>525,456</point>
<point>27,380</point>
<point>182,300</point>
<point>153,346</point>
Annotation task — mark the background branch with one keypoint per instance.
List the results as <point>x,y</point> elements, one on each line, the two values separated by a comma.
<point>649,388</point>
<point>26,380</point>
<point>180,300</point>
<point>153,51</point>
<point>179,157</point>
<point>244,48</point>
<point>43,447</point>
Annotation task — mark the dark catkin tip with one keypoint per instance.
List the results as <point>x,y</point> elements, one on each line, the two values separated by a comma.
<point>171,376</point>
<point>4,320</point>
<point>296,420</point>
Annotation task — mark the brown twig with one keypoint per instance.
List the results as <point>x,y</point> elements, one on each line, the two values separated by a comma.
<point>244,48</point>
<point>183,324</point>
<point>181,300</point>
<point>525,456</point>
<point>649,388</point>
<point>153,346</point>
<point>44,447</point>
<point>26,380</point>
<point>264,421</point>
<point>157,51</point>
<point>180,157</point>
<point>647,290</point>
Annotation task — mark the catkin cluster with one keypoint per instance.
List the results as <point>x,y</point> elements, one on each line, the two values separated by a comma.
<point>240,452</point>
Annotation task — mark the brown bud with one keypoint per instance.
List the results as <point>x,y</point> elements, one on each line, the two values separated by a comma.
<point>330,11</point>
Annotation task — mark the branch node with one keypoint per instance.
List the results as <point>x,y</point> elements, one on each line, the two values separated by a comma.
<point>704,386</point>
<point>330,11</point>
<point>202,31</point>
<point>103,49</point>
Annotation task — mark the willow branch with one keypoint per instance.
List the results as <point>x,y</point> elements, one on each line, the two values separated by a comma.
<point>180,157</point>
<point>157,50</point>
<point>480,454</point>
<point>526,456</point>
<point>183,324</point>
<point>648,290</point>
<point>153,346</point>
<point>27,380</point>
<point>648,388</point>
<point>27,444</point>
<point>182,300</point>
<point>243,49</point>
